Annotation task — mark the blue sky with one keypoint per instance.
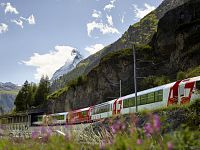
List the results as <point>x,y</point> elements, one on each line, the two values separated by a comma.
<point>37,36</point>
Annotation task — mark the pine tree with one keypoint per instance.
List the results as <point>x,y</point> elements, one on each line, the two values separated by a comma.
<point>42,91</point>
<point>33,91</point>
<point>31,95</point>
<point>1,110</point>
<point>21,101</point>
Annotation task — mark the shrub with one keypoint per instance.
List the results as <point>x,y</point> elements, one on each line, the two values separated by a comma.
<point>180,75</point>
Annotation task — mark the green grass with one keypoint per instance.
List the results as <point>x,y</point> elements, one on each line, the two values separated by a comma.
<point>193,72</point>
<point>9,92</point>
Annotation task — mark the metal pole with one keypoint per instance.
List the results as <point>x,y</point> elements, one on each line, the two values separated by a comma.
<point>135,78</point>
<point>120,88</point>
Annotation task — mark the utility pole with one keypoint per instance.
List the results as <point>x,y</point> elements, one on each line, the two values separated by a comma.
<point>120,88</point>
<point>135,78</point>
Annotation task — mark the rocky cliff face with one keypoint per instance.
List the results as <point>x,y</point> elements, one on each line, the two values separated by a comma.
<point>174,47</point>
<point>141,32</point>
<point>178,37</point>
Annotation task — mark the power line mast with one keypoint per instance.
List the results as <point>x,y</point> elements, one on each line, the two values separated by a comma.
<point>135,77</point>
<point>120,87</point>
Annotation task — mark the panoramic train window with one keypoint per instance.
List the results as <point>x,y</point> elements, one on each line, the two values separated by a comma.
<point>129,102</point>
<point>84,113</point>
<point>59,117</point>
<point>158,96</point>
<point>39,118</point>
<point>151,97</point>
<point>101,109</point>
<point>143,99</point>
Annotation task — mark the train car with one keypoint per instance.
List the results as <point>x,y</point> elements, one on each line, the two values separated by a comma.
<point>179,92</point>
<point>147,99</point>
<point>184,91</point>
<point>58,118</point>
<point>37,120</point>
<point>79,116</point>
<point>50,119</point>
<point>103,110</point>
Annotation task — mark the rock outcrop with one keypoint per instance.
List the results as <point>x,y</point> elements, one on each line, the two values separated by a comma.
<point>178,37</point>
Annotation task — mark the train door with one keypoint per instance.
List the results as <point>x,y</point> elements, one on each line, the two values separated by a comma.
<point>89,115</point>
<point>181,92</point>
<point>185,92</point>
<point>117,106</point>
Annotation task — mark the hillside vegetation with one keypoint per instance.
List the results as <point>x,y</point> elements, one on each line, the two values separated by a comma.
<point>9,92</point>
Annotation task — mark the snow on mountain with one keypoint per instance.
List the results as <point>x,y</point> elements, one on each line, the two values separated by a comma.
<point>77,57</point>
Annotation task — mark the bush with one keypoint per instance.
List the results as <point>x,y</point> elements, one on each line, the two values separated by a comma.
<point>180,75</point>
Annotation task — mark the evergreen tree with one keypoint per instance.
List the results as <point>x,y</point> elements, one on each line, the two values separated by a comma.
<point>1,110</point>
<point>22,99</point>
<point>31,95</point>
<point>42,91</point>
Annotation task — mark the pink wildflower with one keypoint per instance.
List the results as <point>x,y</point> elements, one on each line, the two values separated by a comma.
<point>34,134</point>
<point>67,137</point>
<point>156,123</point>
<point>102,145</point>
<point>148,129</point>
<point>113,129</point>
<point>139,141</point>
<point>1,132</point>
<point>43,130</point>
<point>169,145</point>
<point>123,126</point>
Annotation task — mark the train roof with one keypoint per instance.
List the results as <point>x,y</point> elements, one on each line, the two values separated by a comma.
<point>62,113</point>
<point>160,87</point>
<point>105,103</point>
<point>192,79</point>
<point>149,90</point>
<point>79,110</point>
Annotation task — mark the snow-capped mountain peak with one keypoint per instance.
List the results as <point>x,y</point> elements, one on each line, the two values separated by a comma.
<point>68,66</point>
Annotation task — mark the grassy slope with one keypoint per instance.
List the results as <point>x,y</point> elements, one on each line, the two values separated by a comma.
<point>9,92</point>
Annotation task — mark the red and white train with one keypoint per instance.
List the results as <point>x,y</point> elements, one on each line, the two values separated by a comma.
<point>179,92</point>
